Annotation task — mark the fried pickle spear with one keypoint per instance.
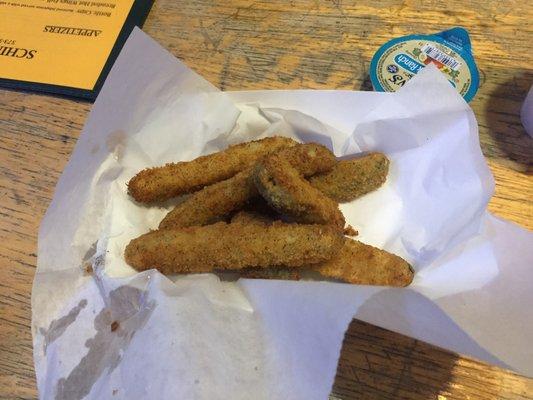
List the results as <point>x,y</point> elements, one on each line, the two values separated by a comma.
<point>215,201</point>
<point>362,264</point>
<point>224,246</point>
<point>255,218</point>
<point>289,193</point>
<point>171,180</point>
<point>356,263</point>
<point>211,203</point>
<point>350,179</point>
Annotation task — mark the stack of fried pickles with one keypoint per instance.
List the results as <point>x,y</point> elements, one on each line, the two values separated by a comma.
<point>268,209</point>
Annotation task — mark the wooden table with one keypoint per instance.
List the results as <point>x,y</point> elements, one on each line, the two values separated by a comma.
<point>281,44</point>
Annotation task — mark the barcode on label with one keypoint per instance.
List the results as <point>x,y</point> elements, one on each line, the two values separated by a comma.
<point>441,57</point>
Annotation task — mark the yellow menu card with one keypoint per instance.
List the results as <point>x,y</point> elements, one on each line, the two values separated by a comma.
<point>64,46</point>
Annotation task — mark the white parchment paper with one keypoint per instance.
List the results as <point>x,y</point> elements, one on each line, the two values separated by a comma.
<point>103,331</point>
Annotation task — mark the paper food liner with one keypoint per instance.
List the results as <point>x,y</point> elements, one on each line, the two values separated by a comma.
<point>102,331</point>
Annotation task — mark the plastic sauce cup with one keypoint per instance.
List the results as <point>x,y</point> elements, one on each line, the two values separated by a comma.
<point>400,59</point>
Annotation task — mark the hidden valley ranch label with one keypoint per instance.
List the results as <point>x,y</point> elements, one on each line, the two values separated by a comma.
<point>450,51</point>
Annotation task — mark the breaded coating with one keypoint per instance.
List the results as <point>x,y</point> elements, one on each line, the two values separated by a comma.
<point>291,274</point>
<point>255,218</point>
<point>215,201</point>
<point>224,246</point>
<point>289,193</point>
<point>350,231</point>
<point>363,264</point>
<point>350,179</point>
<point>260,208</point>
<point>356,263</point>
<point>212,202</point>
<point>250,218</point>
<point>174,179</point>
<point>309,158</point>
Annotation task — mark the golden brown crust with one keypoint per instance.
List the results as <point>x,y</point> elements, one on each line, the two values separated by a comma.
<point>255,218</point>
<point>174,179</point>
<point>251,218</point>
<point>289,193</point>
<point>356,263</point>
<point>215,201</point>
<point>350,231</point>
<point>350,179</point>
<point>224,246</point>
<point>291,274</point>
<point>212,202</point>
<point>308,159</point>
<point>255,244</point>
<point>363,264</point>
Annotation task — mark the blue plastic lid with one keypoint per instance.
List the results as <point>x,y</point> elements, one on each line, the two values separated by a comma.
<point>400,59</point>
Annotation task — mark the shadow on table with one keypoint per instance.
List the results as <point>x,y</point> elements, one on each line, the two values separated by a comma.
<point>503,119</point>
<point>366,85</point>
<point>376,363</point>
<point>379,364</point>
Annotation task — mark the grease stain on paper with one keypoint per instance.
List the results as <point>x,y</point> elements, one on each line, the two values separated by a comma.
<point>127,311</point>
<point>59,326</point>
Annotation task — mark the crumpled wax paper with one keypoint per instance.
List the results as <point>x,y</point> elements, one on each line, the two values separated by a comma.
<point>103,331</point>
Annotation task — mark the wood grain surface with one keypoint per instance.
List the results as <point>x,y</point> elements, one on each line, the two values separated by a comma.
<point>287,44</point>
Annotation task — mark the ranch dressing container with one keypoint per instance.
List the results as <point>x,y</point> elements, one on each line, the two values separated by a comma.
<point>400,59</point>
